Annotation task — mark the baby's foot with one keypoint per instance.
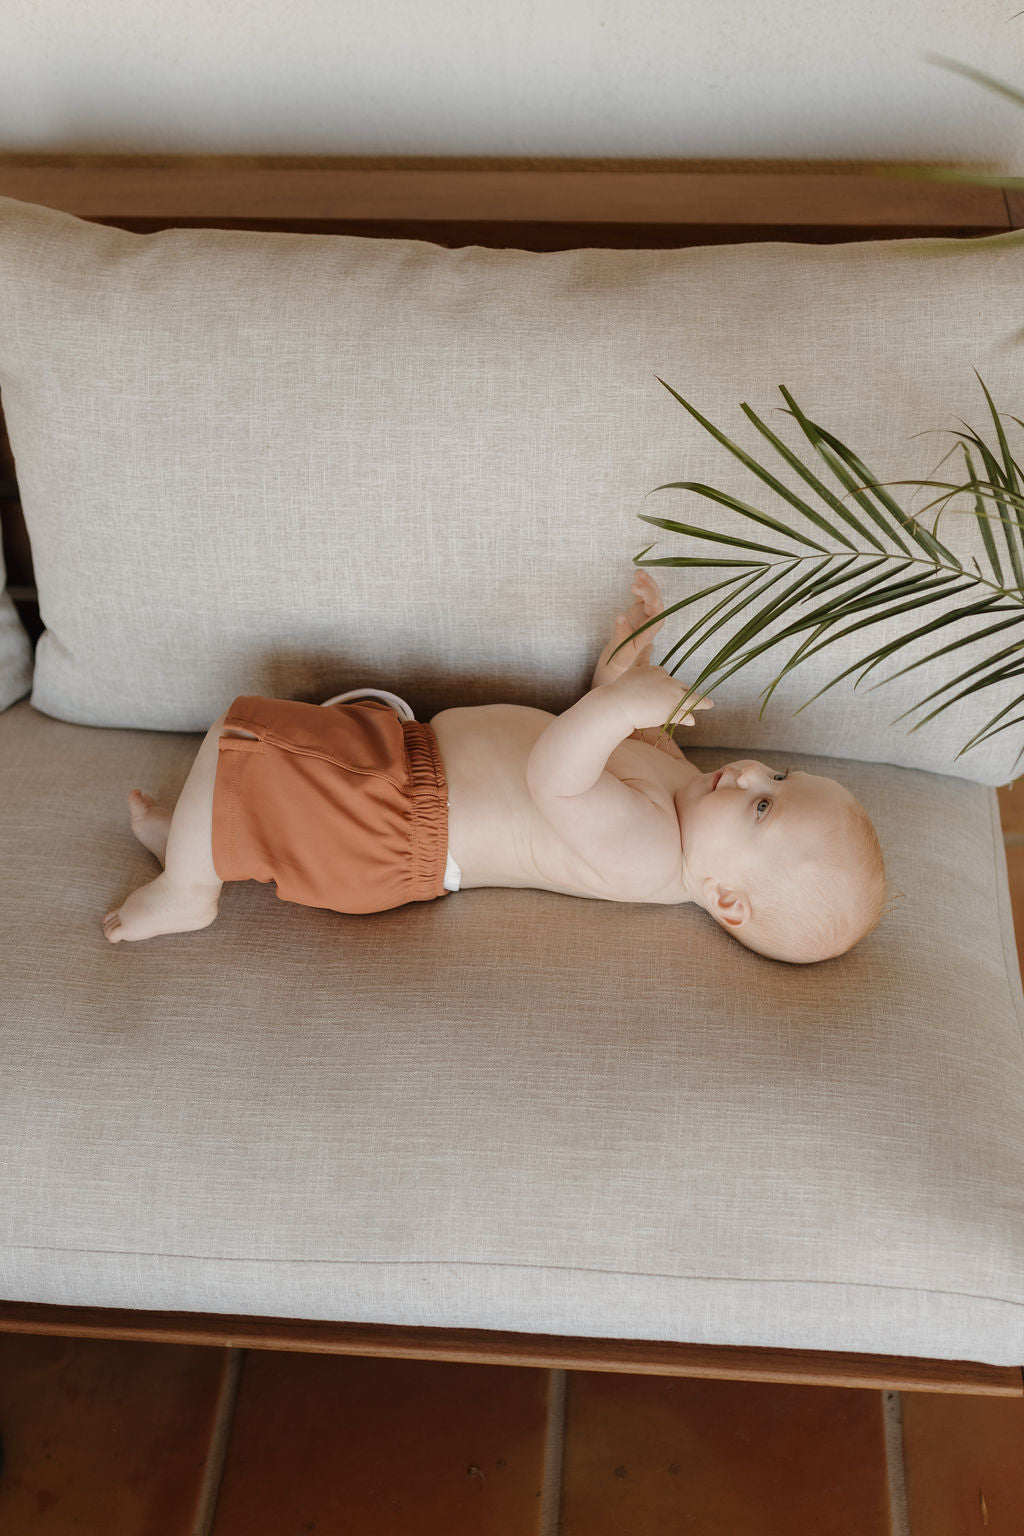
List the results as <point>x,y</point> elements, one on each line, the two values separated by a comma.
<point>150,823</point>
<point>161,907</point>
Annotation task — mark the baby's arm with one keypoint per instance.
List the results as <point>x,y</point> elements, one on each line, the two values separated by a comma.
<point>621,832</point>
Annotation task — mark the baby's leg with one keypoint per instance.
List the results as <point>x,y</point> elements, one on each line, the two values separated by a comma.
<point>150,823</point>
<point>186,896</point>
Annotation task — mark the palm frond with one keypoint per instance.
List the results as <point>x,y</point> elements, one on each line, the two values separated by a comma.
<point>984,490</point>
<point>840,462</point>
<point>1003,496</point>
<point>997,675</point>
<point>763,474</point>
<point>992,729</point>
<point>841,635</point>
<point>705,631</point>
<point>703,625</point>
<point>982,517</point>
<point>820,438</point>
<point>713,537</point>
<point>954,616</point>
<point>954,645</point>
<point>738,506</point>
<point>888,563</point>
<point>667,613</point>
<point>949,173</point>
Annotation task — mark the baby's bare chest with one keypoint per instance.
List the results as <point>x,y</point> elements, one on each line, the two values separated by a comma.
<point>496,834</point>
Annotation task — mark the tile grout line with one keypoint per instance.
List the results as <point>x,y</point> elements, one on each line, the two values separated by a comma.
<point>217,1451</point>
<point>892,1413</point>
<point>554,1455</point>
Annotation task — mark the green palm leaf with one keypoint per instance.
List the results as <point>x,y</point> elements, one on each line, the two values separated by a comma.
<point>738,506</point>
<point>704,533</point>
<point>982,516</point>
<point>869,662</point>
<point>802,650</point>
<point>998,675</point>
<point>795,462</point>
<point>992,729</point>
<point>759,470</point>
<point>888,564</point>
<point>982,490</point>
<point>704,630</point>
<point>823,441</point>
<point>943,173</point>
<point>832,638</point>
<point>703,625</point>
<point>840,463</point>
<point>954,645</point>
<point>667,613</point>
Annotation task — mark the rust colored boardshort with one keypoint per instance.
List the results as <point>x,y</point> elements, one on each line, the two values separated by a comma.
<point>344,807</point>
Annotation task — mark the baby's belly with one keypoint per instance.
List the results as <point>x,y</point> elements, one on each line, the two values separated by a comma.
<point>496,835</point>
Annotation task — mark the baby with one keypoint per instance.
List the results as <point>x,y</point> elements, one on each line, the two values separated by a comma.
<point>355,808</point>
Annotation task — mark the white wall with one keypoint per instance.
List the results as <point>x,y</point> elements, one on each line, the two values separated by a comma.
<point>775,79</point>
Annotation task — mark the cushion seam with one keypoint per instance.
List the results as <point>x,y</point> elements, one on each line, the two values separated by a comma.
<point>569,1269</point>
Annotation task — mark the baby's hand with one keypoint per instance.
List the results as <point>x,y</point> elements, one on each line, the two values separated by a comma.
<point>647,604</point>
<point>652,696</point>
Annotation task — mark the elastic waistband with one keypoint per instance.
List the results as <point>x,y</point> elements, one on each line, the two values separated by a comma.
<point>429,803</point>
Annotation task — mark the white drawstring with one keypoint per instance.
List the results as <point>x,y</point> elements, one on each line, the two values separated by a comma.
<point>401,708</point>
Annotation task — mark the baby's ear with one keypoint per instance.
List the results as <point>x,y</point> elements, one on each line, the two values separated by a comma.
<point>727,906</point>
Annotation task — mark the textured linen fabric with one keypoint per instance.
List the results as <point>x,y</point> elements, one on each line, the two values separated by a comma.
<point>289,464</point>
<point>510,1109</point>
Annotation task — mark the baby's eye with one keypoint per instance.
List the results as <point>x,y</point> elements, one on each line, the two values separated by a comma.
<point>778,778</point>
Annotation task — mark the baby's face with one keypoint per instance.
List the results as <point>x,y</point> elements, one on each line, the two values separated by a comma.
<point>746,820</point>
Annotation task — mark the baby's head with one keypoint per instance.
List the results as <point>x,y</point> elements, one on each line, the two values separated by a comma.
<point>787,862</point>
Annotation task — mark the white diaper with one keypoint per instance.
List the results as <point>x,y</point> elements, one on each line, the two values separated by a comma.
<point>452,872</point>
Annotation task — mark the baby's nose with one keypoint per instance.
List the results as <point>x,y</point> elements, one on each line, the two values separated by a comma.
<point>749,774</point>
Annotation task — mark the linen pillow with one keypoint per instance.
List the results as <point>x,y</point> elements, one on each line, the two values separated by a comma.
<point>294,464</point>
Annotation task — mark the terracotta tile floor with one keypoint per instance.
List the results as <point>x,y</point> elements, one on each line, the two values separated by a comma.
<point>127,1439</point>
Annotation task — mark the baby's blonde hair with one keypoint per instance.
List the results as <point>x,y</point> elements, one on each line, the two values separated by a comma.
<point>819,911</point>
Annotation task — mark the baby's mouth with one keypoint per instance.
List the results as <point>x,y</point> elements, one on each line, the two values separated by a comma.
<point>714,780</point>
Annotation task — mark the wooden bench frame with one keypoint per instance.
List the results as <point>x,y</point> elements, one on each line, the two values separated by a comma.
<point>532,205</point>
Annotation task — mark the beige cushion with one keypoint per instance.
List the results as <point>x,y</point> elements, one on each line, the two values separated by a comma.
<point>510,1109</point>
<point>294,464</point>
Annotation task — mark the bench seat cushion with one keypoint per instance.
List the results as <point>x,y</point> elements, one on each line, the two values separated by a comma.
<point>511,1109</point>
